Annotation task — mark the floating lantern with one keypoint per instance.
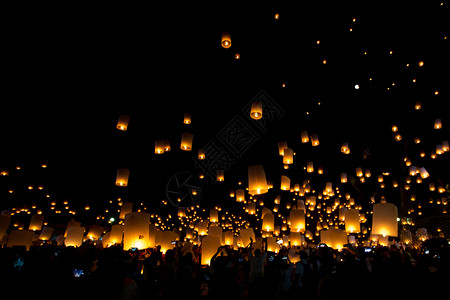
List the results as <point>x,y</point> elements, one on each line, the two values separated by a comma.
<point>285,183</point>
<point>304,136</point>
<point>384,220</point>
<point>256,110</point>
<point>122,124</point>
<point>21,238</point>
<point>344,178</point>
<point>159,147</point>
<point>352,224</point>
<point>334,238</point>
<point>295,239</point>
<point>315,140</point>
<point>240,195</point>
<point>125,209</point>
<point>438,124</point>
<point>281,146</point>
<point>288,157</point>
<point>46,233</point>
<point>345,148</point>
<point>214,215</point>
<point>186,141</point>
<point>257,183</point>
<point>220,175</point>
<point>36,222</point>
<point>116,234</point>
<point>310,167</point>
<point>74,236</point>
<point>136,231</point>
<point>297,218</point>
<point>359,172</point>
<point>268,222</point>
<point>187,118</point>
<point>201,154</point>
<point>122,177</point>
<point>209,247</point>
<point>226,40</point>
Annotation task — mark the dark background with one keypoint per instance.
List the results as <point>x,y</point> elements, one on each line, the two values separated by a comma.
<point>70,71</point>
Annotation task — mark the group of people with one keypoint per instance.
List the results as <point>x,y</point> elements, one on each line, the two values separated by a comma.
<point>93,272</point>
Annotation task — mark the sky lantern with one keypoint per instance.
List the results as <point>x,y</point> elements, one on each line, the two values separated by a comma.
<point>268,222</point>
<point>256,110</point>
<point>437,124</point>
<point>288,157</point>
<point>201,154</point>
<point>159,147</point>
<point>213,215</point>
<point>334,238</point>
<point>281,146</point>
<point>46,233</point>
<point>186,141</point>
<point>122,124</point>
<point>209,247</point>
<point>226,40</point>
<point>304,136</point>
<point>136,231</point>
<point>285,183</point>
<point>257,183</point>
<point>344,178</point>
<point>310,167</point>
<point>122,177</point>
<point>116,234</point>
<point>315,140</point>
<point>345,148</point>
<point>297,218</point>
<point>384,219</point>
<point>74,236</point>
<point>220,175</point>
<point>187,118</point>
<point>36,222</point>
<point>240,195</point>
<point>352,224</point>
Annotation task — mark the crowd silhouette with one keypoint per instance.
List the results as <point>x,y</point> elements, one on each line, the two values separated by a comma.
<point>93,272</point>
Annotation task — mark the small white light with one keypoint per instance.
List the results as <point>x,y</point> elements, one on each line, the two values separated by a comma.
<point>356,86</point>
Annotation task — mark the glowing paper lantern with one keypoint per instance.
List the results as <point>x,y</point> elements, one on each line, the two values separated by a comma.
<point>220,175</point>
<point>209,247</point>
<point>217,231</point>
<point>186,141</point>
<point>226,40</point>
<point>315,140</point>
<point>116,234</point>
<point>214,215</point>
<point>136,230</point>
<point>310,167</point>
<point>438,124</point>
<point>352,224</point>
<point>126,208</point>
<point>345,148</point>
<point>240,195</point>
<point>257,183</point>
<point>36,222</point>
<point>281,146</point>
<point>384,220</point>
<point>256,110</point>
<point>288,157</point>
<point>344,178</point>
<point>74,236</point>
<point>285,183</point>
<point>122,124</point>
<point>159,147</point>
<point>165,239</point>
<point>268,222</point>
<point>46,233</point>
<point>297,218</point>
<point>122,177</point>
<point>304,136</point>
<point>228,238</point>
<point>295,239</point>
<point>202,228</point>
<point>245,234</point>
<point>272,244</point>
<point>21,238</point>
<point>95,231</point>
<point>187,118</point>
<point>334,238</point>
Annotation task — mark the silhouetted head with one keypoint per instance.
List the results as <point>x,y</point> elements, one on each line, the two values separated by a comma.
<point>257,252</point>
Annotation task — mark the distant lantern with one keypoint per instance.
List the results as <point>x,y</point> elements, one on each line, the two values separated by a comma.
<point>281,146</point>
<point>288,157</point>
<point>257,183</point>
<point>186,141</point>
<point>159,147</point>
<point>310,167</point>
<point>74,236</point>
<point>285,183</point>
<point>304,136</point>
<point>418,105</point>
<point>240,195</point>
<point>220,175</point>
<point>384,220</point>
<point>359,172</point>
<point>344,178</point>
<point>125,209</point>
<point>122,124</point>
<point>136,231</point>
<point>122,177</point>
<point>297,218</point>
<point>36,222</point>
<point>166,145</point>
<point>201,154</point>
<point>268,222</point>
<point>438,124</point>
<point>334,238</point>
<point>226,40</point>
<point>213,215</point>
<point>345,148</point>
<point>315,140</point>
<point>352,221</point>
<point>256,110</point>
<point>209,247</point>
<point>187,118</point>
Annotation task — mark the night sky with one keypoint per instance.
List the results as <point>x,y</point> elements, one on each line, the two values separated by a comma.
<point>70,72</point>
